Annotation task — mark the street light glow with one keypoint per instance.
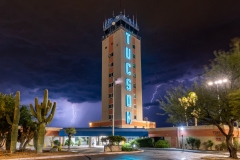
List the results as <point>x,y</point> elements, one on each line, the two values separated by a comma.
<point>181,128</point>
<point>220,81</point>
<point>210,83</point>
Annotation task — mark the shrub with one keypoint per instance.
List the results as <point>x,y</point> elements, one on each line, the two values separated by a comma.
<point>56,143</point>
<point>134,144</point>
<point>209,144</point>
<point>236,144</point>
<point>162,144</point>
<point>114,139</point>
<point>58,147</point>
<point>127,147</point>
<point>223,146</point>
<point>145,142</point>
<point>71,143</point>
<point>197,143</point>
<point>191,142</point>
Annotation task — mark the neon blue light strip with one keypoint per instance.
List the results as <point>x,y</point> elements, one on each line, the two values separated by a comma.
<point>128,84</point>
<point>128,118</point>
<point>128,100</point>
<point>128,37</point>
<point>128,68</point>
<point>128,53</point>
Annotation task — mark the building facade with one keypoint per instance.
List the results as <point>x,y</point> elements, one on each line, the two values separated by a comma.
<point>121,75</point>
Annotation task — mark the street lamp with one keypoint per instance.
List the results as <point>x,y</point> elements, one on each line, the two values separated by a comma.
<point>220,81</point>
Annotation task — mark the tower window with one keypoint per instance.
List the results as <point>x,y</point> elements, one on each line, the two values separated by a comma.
<point>110,106</point>
<point>134,56</point>
<point>133,46</point>
<point>110,117</point>
<point>110,55</point>
<point>110,84</point>
<point>134,65</point>
<point>134,75</point>
<point>106,47</point>
<point>134,86</point>
<point>110,95</point>
<point>134,96</point>
<point>111,43</point>
<point>110,65</point>
<point>135,117</point>
<point>135,106</point>
<point>110,75</point>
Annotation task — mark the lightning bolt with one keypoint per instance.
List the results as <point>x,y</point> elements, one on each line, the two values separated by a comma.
<point>74,114</point>
<point>153,96</point>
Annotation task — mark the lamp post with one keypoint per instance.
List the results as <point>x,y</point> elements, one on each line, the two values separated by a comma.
<point>146,119</point>
<point>220,81</point>
<point>182,143</point>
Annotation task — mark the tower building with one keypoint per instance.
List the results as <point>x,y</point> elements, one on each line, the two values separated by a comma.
<point>121,75</point>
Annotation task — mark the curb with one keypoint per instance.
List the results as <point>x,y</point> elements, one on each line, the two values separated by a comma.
<point>75,155</point>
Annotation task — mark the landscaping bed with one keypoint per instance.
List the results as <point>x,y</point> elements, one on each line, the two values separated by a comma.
<point>31,153</point>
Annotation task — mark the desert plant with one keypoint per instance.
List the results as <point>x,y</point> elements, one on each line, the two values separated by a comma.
<point>40,113</point>
<point>70,132</point>
<point>162,144</point>
<point>14,123</point>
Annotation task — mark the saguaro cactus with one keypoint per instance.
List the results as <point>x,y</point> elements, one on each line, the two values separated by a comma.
<point>41,113</point>
<point>14,123</point>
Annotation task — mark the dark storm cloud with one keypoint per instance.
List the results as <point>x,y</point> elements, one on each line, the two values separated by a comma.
<point>57,44</point>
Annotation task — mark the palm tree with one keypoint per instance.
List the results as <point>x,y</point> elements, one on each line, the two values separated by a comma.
<point>70,132</point>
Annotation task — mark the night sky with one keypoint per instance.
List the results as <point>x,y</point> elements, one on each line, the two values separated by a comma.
<point>56,45</point>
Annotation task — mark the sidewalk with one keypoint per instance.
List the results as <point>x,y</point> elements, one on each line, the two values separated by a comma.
<point>75,152</point>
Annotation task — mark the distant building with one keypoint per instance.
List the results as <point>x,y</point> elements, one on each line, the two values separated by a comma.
<point>121,75</point>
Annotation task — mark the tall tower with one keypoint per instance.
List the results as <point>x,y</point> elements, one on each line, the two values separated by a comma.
<point>121,75</point>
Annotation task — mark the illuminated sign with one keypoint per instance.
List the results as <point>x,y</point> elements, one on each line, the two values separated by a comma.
<point>128,53</point>
<point>128,68</point>
<point>128,100</point>
<point>128,84</point>
<point>128,118</point>
<point>128,37</point>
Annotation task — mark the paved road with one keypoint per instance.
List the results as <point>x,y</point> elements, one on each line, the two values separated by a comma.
<point>152,154</point>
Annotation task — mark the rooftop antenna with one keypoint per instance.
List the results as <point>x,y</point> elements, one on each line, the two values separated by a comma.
<point>133,19</point>
<point>113,13</point>
<point>124,12</point>
<point>120,5</point>
<point>136,19</point>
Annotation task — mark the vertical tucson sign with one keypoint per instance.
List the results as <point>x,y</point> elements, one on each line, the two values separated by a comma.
<point>128,97</point>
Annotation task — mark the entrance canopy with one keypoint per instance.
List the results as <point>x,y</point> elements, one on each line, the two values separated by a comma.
<point>107,131</point>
